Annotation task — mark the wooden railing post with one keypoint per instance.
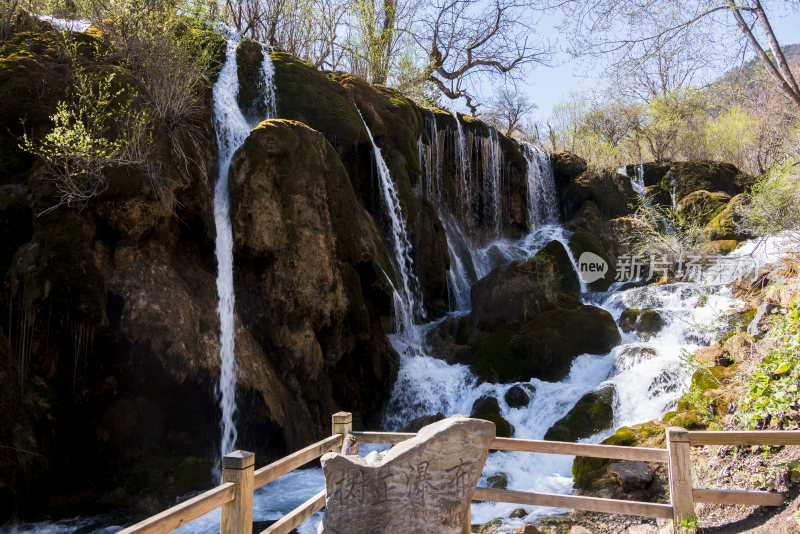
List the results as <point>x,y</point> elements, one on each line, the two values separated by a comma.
<point>342,423</point>
<point>237,515</point>
<point>468,520</point>
<point>680,475</point>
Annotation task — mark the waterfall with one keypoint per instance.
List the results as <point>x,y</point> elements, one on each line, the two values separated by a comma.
<point>462,273</point>
<point>542,202</point>
<point>463,160</point>
<point>492,176</point>
<point>231,129</point>
<point>638,183</point>
<point>407,306</point>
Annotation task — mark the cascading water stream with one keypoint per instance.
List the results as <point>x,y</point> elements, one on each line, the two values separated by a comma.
<point>231,129</point>
<point>407,305</point>
<point>464,167</point>
<point>542,202</point>
<point>492,176</point>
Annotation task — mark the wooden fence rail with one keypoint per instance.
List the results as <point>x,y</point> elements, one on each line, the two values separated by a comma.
<point>235,495</point>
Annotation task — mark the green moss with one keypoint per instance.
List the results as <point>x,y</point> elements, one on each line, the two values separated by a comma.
<point>210,45</point>
<point>691,420</point>
<point>498,480</point>
<point>686,177</point>
<point>593,413</point>
<point>585,471</point>
<point>724,225</point>
<point>488,528</point>
<point>699,207</point>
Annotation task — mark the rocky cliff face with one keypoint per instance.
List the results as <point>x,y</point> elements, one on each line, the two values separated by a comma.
<point>109,349</point>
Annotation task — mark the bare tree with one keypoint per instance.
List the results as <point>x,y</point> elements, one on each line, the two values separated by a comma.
<point>468,39</point>
<point>508,110</point>
<point>651,25</point>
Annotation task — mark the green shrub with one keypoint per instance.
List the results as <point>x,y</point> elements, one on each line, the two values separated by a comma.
<point>774,201</point>
<point>772,400</point>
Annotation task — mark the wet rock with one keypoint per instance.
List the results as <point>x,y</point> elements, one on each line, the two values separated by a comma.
<point>512,293</point>
<point>488,408</point>
<point>372,494</point>
<point>666,381</point>
<point>761,321</point>
<point>587,473</point>
<point>488,528</point>
<point>528,529</point>
<point>545,346</point>
<point>424,420</point>
<point>645,322</point>
<point>563,270</point>
<point>582,242</point>
<point>498,480</point>
<point>631,355</point>
<point>720,247</point>
<point>593,413</point>
<point>517,397</point>
<point>432,260</point>
<point>518,513</point>
<point>566,167</point>
<point>652,172</point>
<point>252,89</point>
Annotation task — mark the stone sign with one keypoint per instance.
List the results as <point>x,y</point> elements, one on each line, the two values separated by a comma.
<point>423,484</point>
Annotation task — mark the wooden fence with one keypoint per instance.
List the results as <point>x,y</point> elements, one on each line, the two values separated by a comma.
<point>240,479</point>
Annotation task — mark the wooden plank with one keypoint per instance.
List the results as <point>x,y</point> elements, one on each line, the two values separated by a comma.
<point>589,504</point>
<point>680,474</point>
<point>580,449</point>
<point>278,468</point>
<point>291,520</point>
<point>180,514</point>
<point>755,498</point>
<point>734,437</point>
<point>389,438</point>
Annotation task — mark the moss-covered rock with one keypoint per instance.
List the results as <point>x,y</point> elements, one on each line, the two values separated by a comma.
<point>724,226</point>
<point>611,192</point>
<point>488,409</point>
<point>658,197</point>
<point>721,247</point>
<point>513,293</point>
<point>545,346</point>
<point>587,471</point>
<point>584,241</point>
<point>566,167</point>
<point>593,413</point>
<point>252,86</point>
<point>555,253</point>
<point>699,207</point>
<point>646,322</point>
<point>498,480</point>
<point>686,177</point>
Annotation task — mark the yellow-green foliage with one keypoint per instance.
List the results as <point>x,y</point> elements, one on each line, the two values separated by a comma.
<point>774,203</point>
<point>95,128</point>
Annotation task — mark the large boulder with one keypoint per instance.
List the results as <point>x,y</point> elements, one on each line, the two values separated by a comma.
<point>652,172</point>
<point>687,177</point>
<point>566,167</point>
<point>645,322</point>
<point>593,413</point>
<point>611,192</point>
<point>514,292</point>
<point>488,409</point>
<point>544,346</point>
<point>563,271</point>
<point>725,225</point>
<point>582,242</point>
<point>699,207</point>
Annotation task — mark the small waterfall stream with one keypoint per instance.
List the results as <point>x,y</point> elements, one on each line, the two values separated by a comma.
<point>231,129</point>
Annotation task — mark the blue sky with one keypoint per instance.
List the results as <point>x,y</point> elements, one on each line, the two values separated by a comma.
<point>547,85</point>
